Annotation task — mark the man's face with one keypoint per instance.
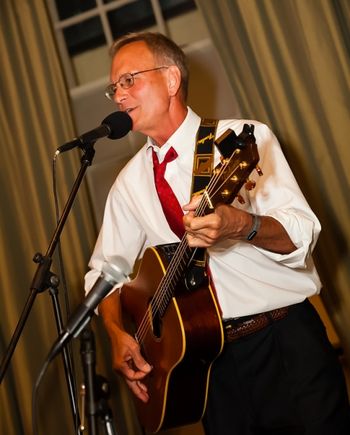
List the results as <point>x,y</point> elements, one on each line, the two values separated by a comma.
<point>147,101</point>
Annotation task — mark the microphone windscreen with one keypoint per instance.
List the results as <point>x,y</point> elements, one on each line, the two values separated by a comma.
<point>119,123</point>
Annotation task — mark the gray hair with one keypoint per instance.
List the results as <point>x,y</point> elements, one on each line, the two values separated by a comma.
<point>164,50</point>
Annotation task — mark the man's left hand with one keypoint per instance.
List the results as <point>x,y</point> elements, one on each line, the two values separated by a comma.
<point>226,222</point>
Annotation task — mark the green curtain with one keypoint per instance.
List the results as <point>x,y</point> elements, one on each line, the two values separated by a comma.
<point>288,63</point>
<point>35,118</point>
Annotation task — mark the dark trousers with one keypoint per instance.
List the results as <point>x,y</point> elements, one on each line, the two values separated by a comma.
<point>285,379</point>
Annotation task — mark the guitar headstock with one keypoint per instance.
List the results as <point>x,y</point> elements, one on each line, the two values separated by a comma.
<point>239,158</point>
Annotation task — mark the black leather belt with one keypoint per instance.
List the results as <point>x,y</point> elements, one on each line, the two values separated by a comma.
<point>242,326</point>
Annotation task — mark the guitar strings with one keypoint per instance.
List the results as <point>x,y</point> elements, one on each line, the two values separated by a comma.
<point>167,280</point>
<point>159,300</point>
<point>162,296</point>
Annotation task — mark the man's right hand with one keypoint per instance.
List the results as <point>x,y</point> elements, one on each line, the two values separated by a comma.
<point>126,353</point>
<point>127,360</point>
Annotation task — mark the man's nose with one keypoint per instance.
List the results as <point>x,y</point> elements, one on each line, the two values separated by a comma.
<point>120,95</point>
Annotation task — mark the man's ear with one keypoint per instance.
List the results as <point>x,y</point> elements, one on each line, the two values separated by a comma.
<point>174,80</point>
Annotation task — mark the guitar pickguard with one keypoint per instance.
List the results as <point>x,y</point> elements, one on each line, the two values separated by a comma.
<point>194,275</point>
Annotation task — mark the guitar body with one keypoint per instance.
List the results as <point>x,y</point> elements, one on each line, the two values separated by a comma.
<point>181,345</point>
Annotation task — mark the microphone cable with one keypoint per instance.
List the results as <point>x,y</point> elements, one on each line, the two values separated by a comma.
<point>67,307</point>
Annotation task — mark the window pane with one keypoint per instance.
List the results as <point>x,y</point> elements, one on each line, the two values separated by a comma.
<point>171,8</point>
<point>69,8</point>
<point>84,36</point>
<point>131,18</point>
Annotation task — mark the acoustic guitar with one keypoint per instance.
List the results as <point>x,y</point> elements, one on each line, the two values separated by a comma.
<point>178,326</point>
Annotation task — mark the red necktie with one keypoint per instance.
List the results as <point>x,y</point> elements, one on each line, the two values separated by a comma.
<point>171,207</point>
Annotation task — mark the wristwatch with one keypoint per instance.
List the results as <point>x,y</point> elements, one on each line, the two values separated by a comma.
<point>255,227</point>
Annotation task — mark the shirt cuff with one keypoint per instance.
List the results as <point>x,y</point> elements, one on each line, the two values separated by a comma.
<point>303,232</point>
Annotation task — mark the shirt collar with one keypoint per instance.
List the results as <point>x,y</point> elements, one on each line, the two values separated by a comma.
<point>182,140</point>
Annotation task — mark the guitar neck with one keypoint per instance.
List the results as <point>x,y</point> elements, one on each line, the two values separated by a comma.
<point>227,179</point>
<point>239,157</point>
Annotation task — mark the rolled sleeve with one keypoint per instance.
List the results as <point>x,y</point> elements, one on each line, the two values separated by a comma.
<point>277,194</point>
<point>303,232</point>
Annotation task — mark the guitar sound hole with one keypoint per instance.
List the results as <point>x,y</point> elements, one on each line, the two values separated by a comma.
<point>156,321</point>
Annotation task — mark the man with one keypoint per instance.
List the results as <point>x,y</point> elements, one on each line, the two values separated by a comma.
<point>282,376</point>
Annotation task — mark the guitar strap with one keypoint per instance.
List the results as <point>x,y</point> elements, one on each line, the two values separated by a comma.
<point>203,161</point>
<point>203,164</point>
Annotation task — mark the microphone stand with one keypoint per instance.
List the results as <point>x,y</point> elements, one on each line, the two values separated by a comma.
<point>96,388</point>
<point>88,357</point>
<point>105,412</point>
<point>44,279</point>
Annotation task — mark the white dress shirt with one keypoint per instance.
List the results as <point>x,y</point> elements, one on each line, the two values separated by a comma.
<point>247,279</point>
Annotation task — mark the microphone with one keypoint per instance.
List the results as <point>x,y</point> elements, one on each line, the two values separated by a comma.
<point>114,126</point>
<point>111,274</point>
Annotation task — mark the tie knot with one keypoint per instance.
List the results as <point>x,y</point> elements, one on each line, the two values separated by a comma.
<point>169,157</point>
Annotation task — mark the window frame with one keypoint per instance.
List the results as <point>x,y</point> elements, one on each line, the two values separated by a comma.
<point>100,10</point>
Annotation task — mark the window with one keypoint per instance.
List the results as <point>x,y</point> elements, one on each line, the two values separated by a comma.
<point>86,29</point>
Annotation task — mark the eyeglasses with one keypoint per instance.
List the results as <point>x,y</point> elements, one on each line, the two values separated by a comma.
<point>126,81</point>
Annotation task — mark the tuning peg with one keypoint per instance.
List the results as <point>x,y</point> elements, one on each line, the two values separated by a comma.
<point>250,184</point>
<point>258,170</point>
<point>225,194</point>
<point>240,199</point>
